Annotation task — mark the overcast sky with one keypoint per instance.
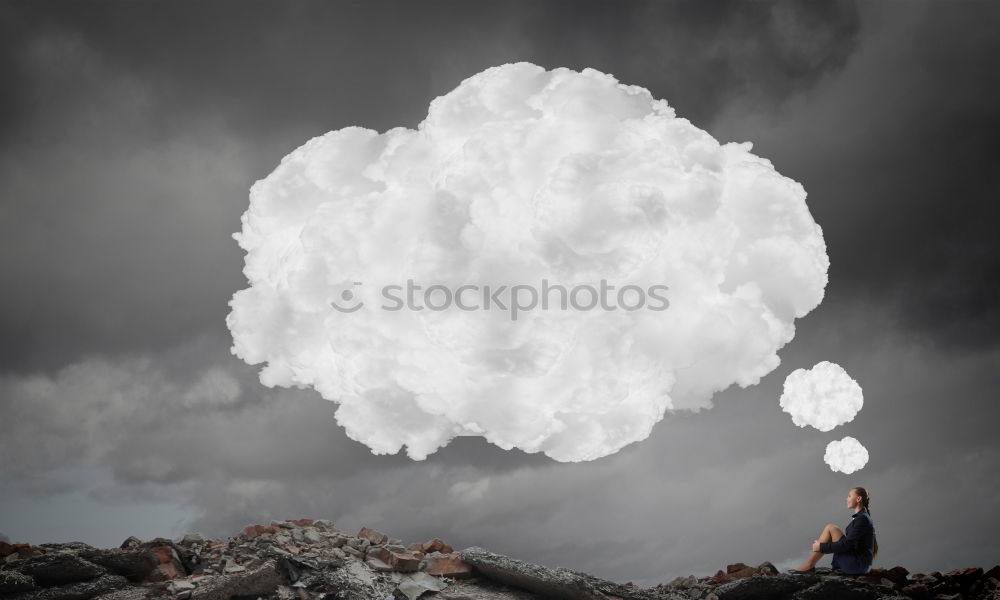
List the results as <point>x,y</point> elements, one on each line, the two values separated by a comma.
<point>131,132</point>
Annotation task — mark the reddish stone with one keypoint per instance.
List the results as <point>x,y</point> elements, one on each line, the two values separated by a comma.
<point>743,573</point>
<point>448,565</point>
<point>720,577</point>
<point>379,552</point>
<point>302,522</point>
<point>399,561</point>
<point>253,531</point>
<point>404,561</point>
<point>994,572</point>
<point>169,566</point>
<point>735,567</point>
<point>158,541</point>
<point>293,550</point>
<point>377,565</point>
<point>164,554</point>
<point>373,536</point>
<point>917,591</point>
<point>22,550</point>
<point>437,545</point>
<point>963,576</point>
<point>163,573</point>
<point>897,574</point>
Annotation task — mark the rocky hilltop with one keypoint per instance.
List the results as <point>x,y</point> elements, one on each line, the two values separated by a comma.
<point>303,559</point>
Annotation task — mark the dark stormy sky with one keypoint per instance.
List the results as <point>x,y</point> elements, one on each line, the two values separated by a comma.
<point>130,133</point>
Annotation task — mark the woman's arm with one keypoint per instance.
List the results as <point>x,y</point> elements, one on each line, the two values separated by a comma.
<point>852,540</point>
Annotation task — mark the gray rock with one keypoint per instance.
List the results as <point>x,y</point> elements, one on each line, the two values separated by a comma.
<point>836,588</point>
<point>192,538</point>
<point>312,536</point>
<point>767,567</point>
<point>412,585</point>
<point>324,524</point>
<point>126,593</point>
<point>179,585</point>
<point>355,580</point>
<point>560,583</point>
<point>307,572</point>
<point>12,582</point>
<point>65,546</point>
<point>482,589</point>
<point>757,587</point>
<point>349,580</point>
<point>683,581</point>
<point>76,591</point>
<point>59,568</point>
<point>134,565</point>
<point>131,542</point>
<point>261,580</point>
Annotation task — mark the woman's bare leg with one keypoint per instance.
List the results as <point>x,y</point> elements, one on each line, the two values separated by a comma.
<point>831,533</point>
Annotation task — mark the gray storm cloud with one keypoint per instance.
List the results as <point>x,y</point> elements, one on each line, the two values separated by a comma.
<point>517,175</point>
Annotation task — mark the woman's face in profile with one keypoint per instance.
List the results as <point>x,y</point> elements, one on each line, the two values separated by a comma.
<point>852,499</point>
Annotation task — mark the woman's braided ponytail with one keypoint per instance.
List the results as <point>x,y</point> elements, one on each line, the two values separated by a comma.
<point>866,503</point>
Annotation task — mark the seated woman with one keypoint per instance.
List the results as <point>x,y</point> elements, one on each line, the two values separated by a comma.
<point>853,550</point>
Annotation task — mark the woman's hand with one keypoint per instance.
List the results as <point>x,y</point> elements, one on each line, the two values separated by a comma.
<point>815,545</point>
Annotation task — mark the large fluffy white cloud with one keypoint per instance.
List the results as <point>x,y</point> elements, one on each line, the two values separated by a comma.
<point>846,455</point>
<point>522,174</point>
<point>824,396</point>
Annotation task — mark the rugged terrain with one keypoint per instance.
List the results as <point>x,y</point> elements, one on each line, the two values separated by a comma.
<point>304,559</point>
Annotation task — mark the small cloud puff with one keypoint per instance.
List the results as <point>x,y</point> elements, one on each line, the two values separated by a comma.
<point>824,396</point>
<point>846,455</point>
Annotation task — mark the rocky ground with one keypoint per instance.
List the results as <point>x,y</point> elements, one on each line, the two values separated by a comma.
<point>312,560</point>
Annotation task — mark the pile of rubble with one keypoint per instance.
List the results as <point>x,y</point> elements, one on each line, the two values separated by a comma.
<point>304,559</point>
<point>742,582</point>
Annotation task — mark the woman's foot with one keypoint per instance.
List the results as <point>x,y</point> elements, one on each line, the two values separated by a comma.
<point>801,571</point>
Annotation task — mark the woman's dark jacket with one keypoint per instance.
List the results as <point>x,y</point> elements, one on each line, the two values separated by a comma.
<point>853,552</point>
